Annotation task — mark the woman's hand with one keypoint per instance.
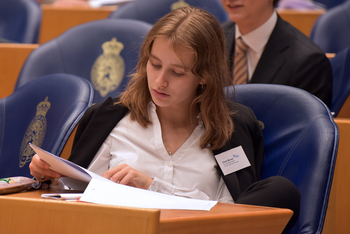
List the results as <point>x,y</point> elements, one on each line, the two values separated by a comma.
<point>41,170</point>
<point>128,176</point>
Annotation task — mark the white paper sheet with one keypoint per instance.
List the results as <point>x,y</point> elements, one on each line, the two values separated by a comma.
<point>99,3</point>
<point>103,191</point>
<point>62,166</point>
<point>111,193</point>
<point>62,196</point>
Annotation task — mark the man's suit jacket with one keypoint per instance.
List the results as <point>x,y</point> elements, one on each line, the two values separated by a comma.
<point>289,58</point>
<point>100,119</point>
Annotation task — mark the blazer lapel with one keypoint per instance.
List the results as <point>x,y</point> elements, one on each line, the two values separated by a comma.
<point>273,57</point>
<point>229,31</point>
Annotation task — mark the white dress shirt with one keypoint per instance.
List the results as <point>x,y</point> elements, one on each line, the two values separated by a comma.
<point>190,172</point>
<point>256,40</point>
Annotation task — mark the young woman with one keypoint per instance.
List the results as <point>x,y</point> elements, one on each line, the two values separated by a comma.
<point>164,131</point>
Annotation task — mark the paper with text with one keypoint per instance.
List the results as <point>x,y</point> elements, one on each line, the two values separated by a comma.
<point>232,160</point>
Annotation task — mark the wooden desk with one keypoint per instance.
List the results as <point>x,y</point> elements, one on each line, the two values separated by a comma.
<point>56,20</point>
<point>12,57</point>
<point>28,213</point>
<point>338,212</point>
<point>302,20</point>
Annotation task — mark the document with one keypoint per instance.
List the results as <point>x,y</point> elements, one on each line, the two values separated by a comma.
<point>99,3</point>
<point>103,191</point>
<point>63,196</point>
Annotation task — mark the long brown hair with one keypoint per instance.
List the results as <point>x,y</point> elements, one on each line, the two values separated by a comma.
<point>200,32</point>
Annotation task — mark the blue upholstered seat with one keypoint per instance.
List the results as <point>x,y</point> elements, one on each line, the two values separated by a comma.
<point>20,21</point>
<point>331,30</point>
<point>104,52</point>
<point>151,11</point>
<point>301,142</point>
<point>43,112</point>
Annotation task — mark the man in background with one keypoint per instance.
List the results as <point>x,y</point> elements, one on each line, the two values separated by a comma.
<point>272,51</point>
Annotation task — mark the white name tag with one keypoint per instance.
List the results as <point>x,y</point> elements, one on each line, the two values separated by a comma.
<point>232,160</point>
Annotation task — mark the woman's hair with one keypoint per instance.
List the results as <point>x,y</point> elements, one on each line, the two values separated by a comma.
<point>275,2</point>
<point>200,32</point>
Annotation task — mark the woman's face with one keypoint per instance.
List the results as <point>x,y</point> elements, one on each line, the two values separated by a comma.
<point>170,81</point>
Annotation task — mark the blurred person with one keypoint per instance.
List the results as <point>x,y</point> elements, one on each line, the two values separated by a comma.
<point>272,51</point>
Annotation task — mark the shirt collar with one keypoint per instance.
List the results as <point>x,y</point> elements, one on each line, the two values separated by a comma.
<point>257,39</point>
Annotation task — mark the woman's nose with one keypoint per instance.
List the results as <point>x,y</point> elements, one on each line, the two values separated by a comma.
<point>161,79</point>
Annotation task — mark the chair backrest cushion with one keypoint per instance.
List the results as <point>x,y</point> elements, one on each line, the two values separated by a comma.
<point>43,112</point>
<point>104,52</point>
<point>151,11</point>
<point>20,20</point>
<point>300,139</point>
<point>330,3</point>
<point>331,30</point>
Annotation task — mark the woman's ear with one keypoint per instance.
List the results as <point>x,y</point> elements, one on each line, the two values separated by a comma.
<point>202,81</point>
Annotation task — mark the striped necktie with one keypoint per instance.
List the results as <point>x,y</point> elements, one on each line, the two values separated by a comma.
<point>240,74</point>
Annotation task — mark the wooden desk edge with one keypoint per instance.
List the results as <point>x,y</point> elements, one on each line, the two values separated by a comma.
<point>221,216</point>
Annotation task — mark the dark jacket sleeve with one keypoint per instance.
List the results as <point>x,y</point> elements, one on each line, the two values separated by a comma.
<point>247,134</point>
<point>94,127</point>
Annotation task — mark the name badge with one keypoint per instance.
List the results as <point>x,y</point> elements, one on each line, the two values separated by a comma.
<point>232,160</point>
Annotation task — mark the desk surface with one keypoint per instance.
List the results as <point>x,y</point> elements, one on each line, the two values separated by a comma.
<point>222,218</point>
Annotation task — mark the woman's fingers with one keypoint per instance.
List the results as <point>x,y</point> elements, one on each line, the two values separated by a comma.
<point>41,170</point>
<point>126,175</point>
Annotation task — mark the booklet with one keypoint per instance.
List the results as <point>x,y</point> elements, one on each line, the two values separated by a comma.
<point>103,191</point>
<point>63,196</point>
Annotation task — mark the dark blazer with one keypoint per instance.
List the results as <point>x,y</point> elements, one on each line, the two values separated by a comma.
<point>100,119</point>
<point>289,58</point>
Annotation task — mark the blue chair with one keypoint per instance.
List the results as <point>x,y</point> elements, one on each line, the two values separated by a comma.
<point>20,21</point>
<point>43,112</point>
<point>331,30</point>
<point>151,11</point>
<point>104,52</point>
<point>301,142</point>
<point>330,3</point>
<point>341,80</point>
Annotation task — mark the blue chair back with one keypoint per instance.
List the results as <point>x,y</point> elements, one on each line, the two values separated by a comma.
<point>331,31</point>
<point>341,79</point>
<point>151,11</point>
<point>43,112</point>
<point>104,52</point>
<point>301,142</point>
<point>330,3</point>
<point>20,21</point>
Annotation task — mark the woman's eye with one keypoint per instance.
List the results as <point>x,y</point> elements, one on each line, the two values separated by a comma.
<point>156,65</point>
<point>178,74</point>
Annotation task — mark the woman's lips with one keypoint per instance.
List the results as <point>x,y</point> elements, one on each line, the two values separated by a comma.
<point>160,94</point>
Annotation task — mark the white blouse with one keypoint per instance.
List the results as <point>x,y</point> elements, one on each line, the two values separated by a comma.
<point>190,172</point>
